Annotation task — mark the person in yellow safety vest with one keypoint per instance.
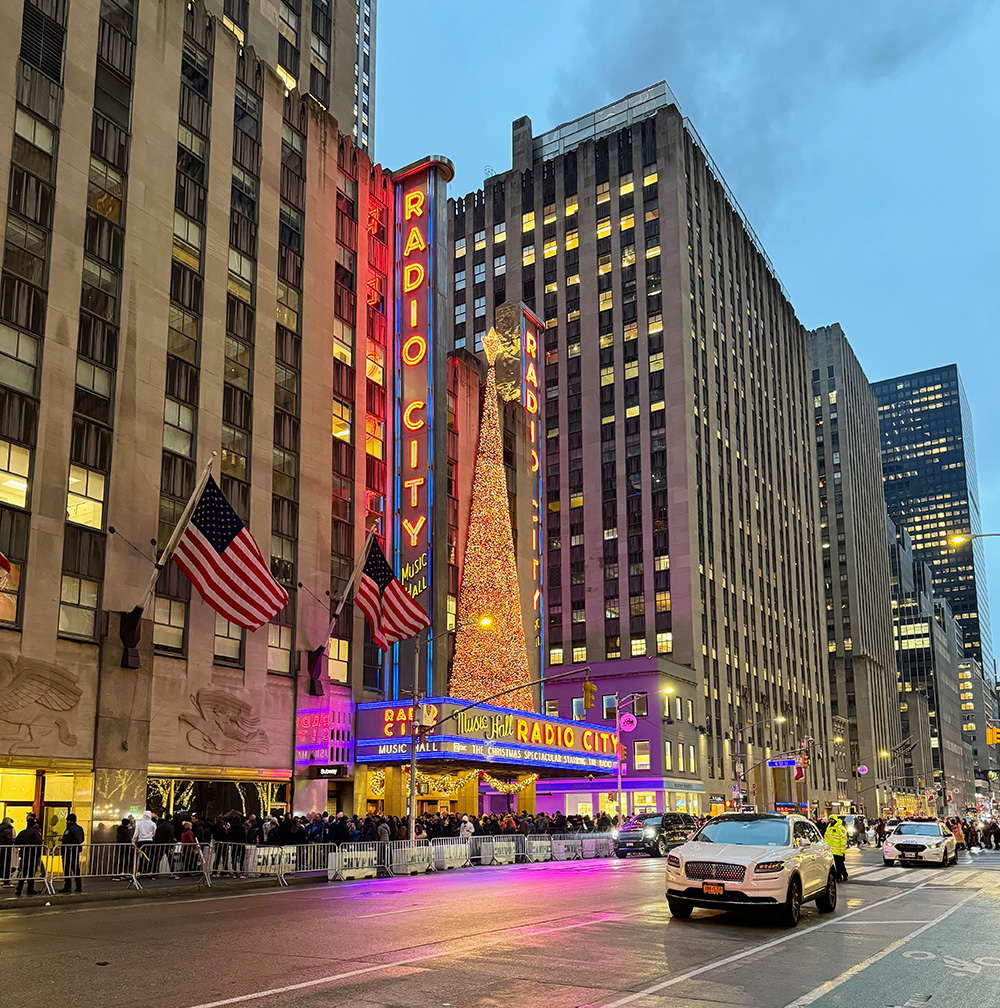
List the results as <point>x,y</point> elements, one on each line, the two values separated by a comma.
<point>836,838</point>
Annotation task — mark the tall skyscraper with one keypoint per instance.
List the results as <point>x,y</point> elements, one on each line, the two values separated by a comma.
<point>323,48</point>
<point>860,655</point>
<point>680,507</point>
<point>184,275</point>
<point>931,490</point>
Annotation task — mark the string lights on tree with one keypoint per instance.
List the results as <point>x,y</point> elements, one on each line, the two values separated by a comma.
<point>488,659</point>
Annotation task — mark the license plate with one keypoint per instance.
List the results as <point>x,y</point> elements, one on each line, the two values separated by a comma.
<point>904,854</point>
<point>713,888</point>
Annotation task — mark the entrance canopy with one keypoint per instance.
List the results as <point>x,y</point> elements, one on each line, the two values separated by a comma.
<point>484,734</point>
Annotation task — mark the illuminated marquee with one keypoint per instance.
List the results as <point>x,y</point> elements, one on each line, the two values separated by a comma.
<point>483,734</point>
<point>531,366</point>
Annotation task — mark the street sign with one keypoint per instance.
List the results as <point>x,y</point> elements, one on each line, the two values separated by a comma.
<point>862,770</point>
<point>775,764</point>
<point>627,722</point>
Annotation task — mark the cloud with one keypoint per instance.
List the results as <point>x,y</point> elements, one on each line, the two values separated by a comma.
<point>745,72</point>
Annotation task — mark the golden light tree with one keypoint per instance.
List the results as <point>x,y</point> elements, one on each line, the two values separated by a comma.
<point>491,658</point>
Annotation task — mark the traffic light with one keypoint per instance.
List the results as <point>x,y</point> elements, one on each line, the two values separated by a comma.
<point>589,691</point>
<point>992,735</point>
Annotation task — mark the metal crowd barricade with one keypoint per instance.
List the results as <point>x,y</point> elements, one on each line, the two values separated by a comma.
<point>481,850</point>
<point>538,848</point>
<point>28,864</point>
<point>68,864</point>
<point>309,859</point>
<point>409,857</point>
<point>596,845</point>
<point>496,850</point>
<point>567,846</point>
<point>174,860</point>
<point>354,860</point>
<point>256,861</point>
<point>450,852</point>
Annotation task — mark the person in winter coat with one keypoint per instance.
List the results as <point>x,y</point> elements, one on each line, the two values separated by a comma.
<point>162,850</point>
<point>383,831</point>
<point>145,830</point>
<point>836,838</point>
<point>123,851</point>
<point>190,851</point>
<point>29,844</point>
<point>238,839</point>
<point>72,841</point>
<point>6,850</point>
<point>956,831</point>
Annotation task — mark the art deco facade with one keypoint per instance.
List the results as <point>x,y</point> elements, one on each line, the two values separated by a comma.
<point>932,490</point>
<point>196,262</point>
<point>860,657</point>
<point>680,507</point>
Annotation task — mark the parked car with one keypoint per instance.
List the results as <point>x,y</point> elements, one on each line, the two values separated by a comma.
<point>763,862</point>
<point>652,833</point>
<point>920,841</point>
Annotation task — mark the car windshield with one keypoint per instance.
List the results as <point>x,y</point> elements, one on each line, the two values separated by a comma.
<point>918,829</point>
<point>759,832</point>
<point>636,822</point>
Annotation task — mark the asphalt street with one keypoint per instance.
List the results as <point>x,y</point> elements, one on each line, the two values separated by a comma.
<point>594,933</point>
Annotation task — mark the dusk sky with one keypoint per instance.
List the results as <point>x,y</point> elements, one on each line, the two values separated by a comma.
<point>861,139</point>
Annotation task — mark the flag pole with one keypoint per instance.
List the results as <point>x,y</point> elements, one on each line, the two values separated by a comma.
<point>178,531</point>
<point>348,587</point>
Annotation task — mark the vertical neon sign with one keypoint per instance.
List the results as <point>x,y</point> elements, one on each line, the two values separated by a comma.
<point>419,356</point>
<point>530,384</point>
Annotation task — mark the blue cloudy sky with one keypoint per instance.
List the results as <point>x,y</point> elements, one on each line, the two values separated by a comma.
<point>862,138</point>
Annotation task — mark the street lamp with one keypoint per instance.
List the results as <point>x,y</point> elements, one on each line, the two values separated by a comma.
<point>485,622</point>
<point>960,538</point>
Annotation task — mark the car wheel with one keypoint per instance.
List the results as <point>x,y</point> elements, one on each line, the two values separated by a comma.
<point>620,853</point>
<point>888,861</point>
<point>826,902</point>
<point>789,914</point>
<point>660,850</point>
<point>678,909</point>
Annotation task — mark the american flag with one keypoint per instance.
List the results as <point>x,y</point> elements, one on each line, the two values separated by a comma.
<point>222,560</point>
<point>4,570</point>
<point>392,614</point>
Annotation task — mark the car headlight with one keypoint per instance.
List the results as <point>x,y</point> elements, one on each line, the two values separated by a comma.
<point>673,860</point>
<point>769,867</point>
<point>935,843</point>
<point>614,834</point>
<point>648,834</point>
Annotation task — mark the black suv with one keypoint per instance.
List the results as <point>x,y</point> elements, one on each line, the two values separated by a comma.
<point>653,833</point>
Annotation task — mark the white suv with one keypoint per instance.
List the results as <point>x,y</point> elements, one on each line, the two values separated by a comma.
<point>753,861</point>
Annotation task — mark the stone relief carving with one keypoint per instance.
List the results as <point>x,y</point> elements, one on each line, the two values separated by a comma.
<point>225,724</point>
<point>27,684</point>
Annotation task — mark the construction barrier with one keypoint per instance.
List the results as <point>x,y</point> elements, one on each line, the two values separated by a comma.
<point>409,857</point>
<point>450,852</point>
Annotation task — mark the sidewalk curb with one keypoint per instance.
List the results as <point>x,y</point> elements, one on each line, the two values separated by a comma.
<point>67,899</point>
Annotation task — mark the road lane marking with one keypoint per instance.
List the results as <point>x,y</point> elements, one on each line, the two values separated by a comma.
<point>746,953</point>
<point>386,913</point>
<point>306,984</point>
<point>818,992</point>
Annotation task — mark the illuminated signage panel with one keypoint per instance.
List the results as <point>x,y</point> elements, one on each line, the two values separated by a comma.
<point>483,733</point>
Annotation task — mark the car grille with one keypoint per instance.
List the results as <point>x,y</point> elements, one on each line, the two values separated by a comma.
<point>910,848</point>
<point>715,870</point>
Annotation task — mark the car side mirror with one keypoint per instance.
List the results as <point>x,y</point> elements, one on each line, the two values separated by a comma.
<point>803,842</point>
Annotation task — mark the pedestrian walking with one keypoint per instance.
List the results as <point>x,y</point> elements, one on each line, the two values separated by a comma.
<point>69,848</point>
<point>6,850</point>
<point>29,846</point>
<point>836,838</point>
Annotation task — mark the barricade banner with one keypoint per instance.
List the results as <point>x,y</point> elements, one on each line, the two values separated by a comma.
<point>596,845</point>
<point>69,865</point>
<point>450,852</point>
<point>505,849</point>
<point>354,861</point>
<point>538,848</point>
<point>567,847</point>
<point>260,861</point>
<point>409,857</point>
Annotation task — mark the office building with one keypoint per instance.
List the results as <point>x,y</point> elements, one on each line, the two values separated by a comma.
<point>197,261</point>
<point>680,506</point>
<point>931,489</point>
<point>978,702</point>
<point>860,655</point>
<point>929,649</point>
